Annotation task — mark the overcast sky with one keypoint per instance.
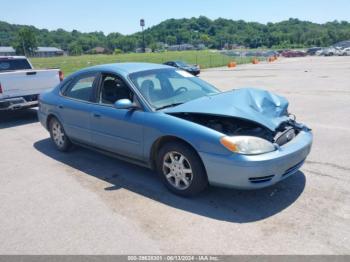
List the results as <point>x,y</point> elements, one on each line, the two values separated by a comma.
<point>123,16</point>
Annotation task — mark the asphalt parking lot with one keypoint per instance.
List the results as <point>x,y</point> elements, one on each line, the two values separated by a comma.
<point>86,203</point>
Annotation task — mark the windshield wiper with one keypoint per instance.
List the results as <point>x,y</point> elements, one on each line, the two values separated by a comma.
<point>170,105</point>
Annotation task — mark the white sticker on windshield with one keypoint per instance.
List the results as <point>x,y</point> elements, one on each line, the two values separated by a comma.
<point>184,73</point>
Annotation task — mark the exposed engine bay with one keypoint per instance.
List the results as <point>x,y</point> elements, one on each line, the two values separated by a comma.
<point>232,126</point>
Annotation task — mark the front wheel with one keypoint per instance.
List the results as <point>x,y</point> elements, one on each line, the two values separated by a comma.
<point>181,169</point>
<point>58,136</point>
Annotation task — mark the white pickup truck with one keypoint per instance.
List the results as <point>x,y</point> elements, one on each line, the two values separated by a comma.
<point>20,84</point>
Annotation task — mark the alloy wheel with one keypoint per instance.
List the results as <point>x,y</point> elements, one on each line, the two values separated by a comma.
<point>177,170</point>
<point>58,134</point>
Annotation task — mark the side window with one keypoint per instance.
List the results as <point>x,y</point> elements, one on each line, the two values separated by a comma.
<point>113,88</point>
<point>82,89</point>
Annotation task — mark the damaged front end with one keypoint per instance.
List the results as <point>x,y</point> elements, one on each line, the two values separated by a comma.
<point>267,145</point>
<point>246,112</point>
<point>232,126</point>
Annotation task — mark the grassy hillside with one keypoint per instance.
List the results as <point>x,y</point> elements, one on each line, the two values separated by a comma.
<point>292,33</point>
<point>70,64</point>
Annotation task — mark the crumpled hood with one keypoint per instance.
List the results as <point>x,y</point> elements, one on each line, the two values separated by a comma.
<point>252,104</point>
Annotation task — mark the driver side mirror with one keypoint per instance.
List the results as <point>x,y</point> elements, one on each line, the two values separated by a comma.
<point>125,104</point>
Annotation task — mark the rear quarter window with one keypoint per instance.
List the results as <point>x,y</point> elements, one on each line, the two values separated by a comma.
<point>81,88</point>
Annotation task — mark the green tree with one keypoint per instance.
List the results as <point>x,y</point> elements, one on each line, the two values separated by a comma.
<point>117,51</point>
<point>75,49</point>
<point>286,34</point>
<point>126,44</point>
<point>171,40</point>
<point>26,42</point>
<point>205,39</point>
<point>153,46</point>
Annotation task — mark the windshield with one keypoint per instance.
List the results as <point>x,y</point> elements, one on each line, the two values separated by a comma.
<point>182,64</point>
<point>169,87</point>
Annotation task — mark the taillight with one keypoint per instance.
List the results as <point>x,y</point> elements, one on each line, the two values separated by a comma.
<point>61,75</point>
<point>0,89</point>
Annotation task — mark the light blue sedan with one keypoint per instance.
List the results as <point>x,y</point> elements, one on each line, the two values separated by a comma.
<point>163,118</point>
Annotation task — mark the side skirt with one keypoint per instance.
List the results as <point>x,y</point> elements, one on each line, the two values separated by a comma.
<point>113,155</point>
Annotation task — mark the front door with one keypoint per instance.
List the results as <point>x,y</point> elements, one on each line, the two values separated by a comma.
<point>116,130</point>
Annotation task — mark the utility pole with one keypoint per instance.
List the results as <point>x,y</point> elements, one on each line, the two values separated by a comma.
<point>142,24</point>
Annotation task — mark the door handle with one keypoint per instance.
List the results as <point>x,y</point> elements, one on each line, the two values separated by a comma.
<point>60,107</point>
<point>31,73</point>
<point>96,115</point>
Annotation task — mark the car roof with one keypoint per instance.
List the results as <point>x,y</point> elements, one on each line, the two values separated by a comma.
<point>12,57</point>
<point>126,68</point>
<point>175,61</point>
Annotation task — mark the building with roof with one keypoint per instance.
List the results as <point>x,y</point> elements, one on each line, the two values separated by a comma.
<point>7,51</point>
<point>48,51</point>
<point>181,47</point>
<point>140,50</point>
<point>98,50</point>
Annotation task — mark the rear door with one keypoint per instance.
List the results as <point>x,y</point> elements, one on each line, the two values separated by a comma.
<point>75,107</point>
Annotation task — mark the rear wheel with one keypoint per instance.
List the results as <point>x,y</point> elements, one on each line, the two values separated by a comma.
<point>58,135</point>
<point>181,169</point>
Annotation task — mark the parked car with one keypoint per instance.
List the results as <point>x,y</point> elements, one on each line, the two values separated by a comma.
<point>293,53</point>
<point>330,51</point>
<point>166,119</point>
<point>345,51</point>
<point>320,52</point>
<point>313,50</point>
<point>192,69</point>
<point>270,53</point>
<point>254,53</point>
<point>20,84</point>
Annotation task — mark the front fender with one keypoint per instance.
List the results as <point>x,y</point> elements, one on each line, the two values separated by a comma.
<point>201,138</point>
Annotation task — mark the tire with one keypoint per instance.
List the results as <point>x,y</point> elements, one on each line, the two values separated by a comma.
<point>58,135</point>
<point>181,169</point>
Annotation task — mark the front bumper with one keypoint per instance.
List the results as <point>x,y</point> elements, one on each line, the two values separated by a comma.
<point>258,171</point>
<point>18,102</point>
